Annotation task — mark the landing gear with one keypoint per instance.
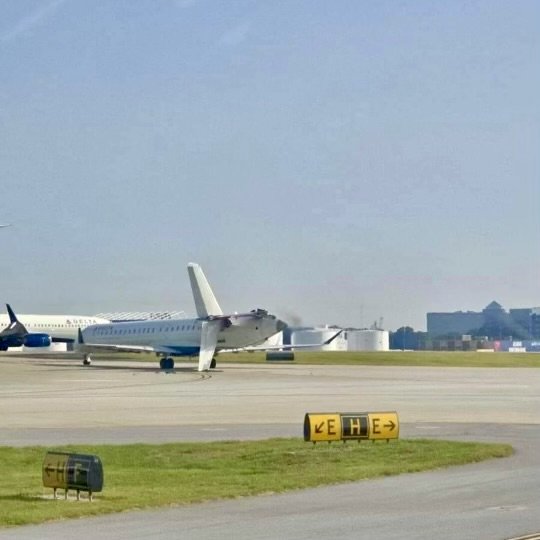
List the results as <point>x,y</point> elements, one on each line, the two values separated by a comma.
<point>166,363</point>
<point>86,360</point>
<point>213,364</point>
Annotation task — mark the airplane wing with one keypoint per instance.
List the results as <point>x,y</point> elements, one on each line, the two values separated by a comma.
<point>62,340</point>
<point>289,347</point>
<point>99,347</point>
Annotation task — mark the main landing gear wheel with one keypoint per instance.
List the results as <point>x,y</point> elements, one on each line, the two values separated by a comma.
<point>213,364</point>
<point>86,360</point>
<point>166,363</point>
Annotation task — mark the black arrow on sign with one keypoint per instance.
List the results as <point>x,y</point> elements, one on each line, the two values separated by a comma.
<point>319,428</point>
<point>49,469</point>
<point>391,425</point>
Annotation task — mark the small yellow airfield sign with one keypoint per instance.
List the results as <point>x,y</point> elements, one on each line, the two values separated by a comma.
<point>322,427</point>
<point>319,427</point>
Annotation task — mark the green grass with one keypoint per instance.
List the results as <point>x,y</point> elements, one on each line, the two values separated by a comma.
<point>397,358</point>
<point>145,476</point>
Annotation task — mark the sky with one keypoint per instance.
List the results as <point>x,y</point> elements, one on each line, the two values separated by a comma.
<point>333,162</point>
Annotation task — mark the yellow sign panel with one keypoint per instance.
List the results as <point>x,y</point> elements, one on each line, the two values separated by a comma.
<point>322,427</point>
<point>54,471</point>
<point>383,425</point>
<point>351,426</point>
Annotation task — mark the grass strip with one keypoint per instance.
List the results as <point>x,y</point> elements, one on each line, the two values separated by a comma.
<point>396,358</point>
<point>144,476</point>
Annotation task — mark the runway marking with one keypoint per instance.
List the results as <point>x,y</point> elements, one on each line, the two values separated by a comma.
<point>83,380</point>
<point>535,536</point>
<point>509,508</point>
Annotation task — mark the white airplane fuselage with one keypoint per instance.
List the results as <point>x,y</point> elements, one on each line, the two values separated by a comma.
<point>58,326</point>
<point>182,337</point>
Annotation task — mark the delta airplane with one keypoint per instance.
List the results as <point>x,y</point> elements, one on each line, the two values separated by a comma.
<point>203,336</point>
<point>41,330</point>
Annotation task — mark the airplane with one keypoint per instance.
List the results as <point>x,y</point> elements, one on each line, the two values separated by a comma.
<point>203,336</point>
<point>41,330</point>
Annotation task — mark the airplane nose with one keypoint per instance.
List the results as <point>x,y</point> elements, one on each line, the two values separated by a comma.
<point>280,325</point>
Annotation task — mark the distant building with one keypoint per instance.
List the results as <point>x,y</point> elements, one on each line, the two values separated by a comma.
<point>535,323</point>
<point>493,322</point>
<point>457,323</point>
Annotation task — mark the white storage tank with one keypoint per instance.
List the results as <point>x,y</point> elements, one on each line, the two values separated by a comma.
<point>367,340</point>
<point>319,335</point>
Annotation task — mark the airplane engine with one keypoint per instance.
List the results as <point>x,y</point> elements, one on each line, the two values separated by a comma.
<point>12,341</point>
<point>37,340</point>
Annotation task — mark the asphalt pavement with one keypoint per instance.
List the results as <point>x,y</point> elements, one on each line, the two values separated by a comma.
<point>52,402</point>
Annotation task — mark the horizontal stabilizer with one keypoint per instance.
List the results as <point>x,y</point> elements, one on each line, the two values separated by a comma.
<point>283,347</point>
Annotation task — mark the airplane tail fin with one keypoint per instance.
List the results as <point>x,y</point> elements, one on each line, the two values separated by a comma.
<point>205,301</point>
<point>11,313</point>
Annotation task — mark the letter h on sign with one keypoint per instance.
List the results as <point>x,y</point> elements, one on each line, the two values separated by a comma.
<point>354,426</point>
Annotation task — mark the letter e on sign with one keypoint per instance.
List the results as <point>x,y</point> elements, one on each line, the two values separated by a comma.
<point>322,427</point>
<point>384,425</point>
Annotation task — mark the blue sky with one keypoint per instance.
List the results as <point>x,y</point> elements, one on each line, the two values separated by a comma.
<point>333,162</point>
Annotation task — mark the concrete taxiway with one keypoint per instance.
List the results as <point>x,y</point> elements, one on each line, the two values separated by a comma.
<point>55,401</point>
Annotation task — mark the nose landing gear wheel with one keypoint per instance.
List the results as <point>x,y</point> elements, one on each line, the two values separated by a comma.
<point>213,364</point>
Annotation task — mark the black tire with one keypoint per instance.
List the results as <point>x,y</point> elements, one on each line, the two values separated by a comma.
<point>213,364</point>
<point>166,363</point>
